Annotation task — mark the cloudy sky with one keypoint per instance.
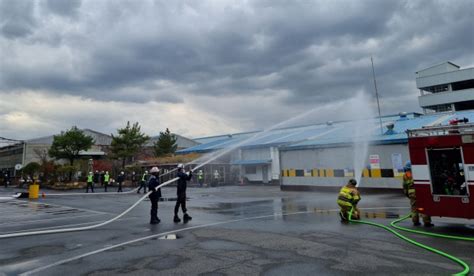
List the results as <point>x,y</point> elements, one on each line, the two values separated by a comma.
<point>210,67</point>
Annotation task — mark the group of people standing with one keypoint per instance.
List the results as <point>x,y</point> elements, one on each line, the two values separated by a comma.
<point>104,179</point>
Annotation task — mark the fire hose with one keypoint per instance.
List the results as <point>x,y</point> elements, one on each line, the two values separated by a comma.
<point>426,247</point>
<point>64,230</point>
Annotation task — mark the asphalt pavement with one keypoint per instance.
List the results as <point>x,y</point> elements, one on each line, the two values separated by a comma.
<point>235,230</point>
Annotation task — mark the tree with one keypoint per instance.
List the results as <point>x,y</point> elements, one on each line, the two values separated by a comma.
<point>69,144</point>
<point>31,169</point>
<point>128,142</point>
<point>166,144</point>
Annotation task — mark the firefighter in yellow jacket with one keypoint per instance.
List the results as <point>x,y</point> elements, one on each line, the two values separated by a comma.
<point>348,198</point>
<point>409,191</point>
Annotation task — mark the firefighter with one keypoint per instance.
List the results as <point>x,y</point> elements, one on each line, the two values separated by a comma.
<point>90,182</point>
<point>410,192</point>
<point>155,195</point>
<point>106,180</point>
<point>216,178</point>
<point>347,200</point>
<point>181,193</point>
<point>143,182</point>
<point>120,180</point>
<point>96,178</point>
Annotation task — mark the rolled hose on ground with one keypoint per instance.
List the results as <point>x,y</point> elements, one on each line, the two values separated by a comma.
<point>431,249</point>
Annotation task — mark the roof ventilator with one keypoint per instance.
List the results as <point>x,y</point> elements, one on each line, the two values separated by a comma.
<point>403,116</point>
<point>390,127</point>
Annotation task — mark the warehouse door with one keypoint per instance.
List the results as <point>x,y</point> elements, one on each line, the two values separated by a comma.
<point>265,174</point>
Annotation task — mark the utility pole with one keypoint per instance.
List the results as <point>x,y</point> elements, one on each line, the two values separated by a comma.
<point>377,95</point>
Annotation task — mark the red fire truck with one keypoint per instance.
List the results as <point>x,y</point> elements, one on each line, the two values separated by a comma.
<point>442,159</point>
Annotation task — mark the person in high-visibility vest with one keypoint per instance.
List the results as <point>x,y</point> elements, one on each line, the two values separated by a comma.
<point>200,175</point>
<point>347,200</point>
<point>143,182</point>
<point>90,182</point>
<point>410,192</point>
<point>106,180</point>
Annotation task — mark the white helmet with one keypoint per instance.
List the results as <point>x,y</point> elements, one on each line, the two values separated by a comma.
<point>154,170</point>
<point>180,166</point>
<point>122,172</point>
<point>146,171</point>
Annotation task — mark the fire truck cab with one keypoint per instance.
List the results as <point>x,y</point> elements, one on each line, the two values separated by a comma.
<point>442,159</point>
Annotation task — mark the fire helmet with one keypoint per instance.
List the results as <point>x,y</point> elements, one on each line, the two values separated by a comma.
<point>352,181</point>
<point>154,170</point>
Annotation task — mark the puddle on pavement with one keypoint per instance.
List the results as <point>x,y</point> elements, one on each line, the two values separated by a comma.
<point>170,237</point>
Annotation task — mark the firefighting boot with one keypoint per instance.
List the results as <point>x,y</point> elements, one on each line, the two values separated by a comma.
<point>186,218</point>
<point>343,218</point>
<point>176,219</point>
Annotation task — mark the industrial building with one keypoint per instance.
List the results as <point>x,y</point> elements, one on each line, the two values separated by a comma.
<point>323,154</point>
<point>445,87</point>
<point>25,152</point>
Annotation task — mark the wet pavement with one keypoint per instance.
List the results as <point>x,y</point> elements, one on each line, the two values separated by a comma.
<point>235,231</point>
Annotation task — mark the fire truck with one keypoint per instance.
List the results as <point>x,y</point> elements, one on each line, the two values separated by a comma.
<point>442,159</point>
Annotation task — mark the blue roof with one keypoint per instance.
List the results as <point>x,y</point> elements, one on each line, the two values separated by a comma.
<point>323,135</point>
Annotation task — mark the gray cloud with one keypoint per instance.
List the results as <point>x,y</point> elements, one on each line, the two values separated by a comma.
<point>16,18</point>
<point>67,8</point>
<point>307,52</point>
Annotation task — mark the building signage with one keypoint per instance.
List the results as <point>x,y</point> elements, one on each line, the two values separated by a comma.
<point>374,161</point>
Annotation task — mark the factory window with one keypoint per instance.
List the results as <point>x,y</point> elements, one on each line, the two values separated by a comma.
<point>467,105</point>
<point>437,88</point>
<point>447,172</point>
<point>441,107</point>
<point>461,85</point>
<point>251,169</point>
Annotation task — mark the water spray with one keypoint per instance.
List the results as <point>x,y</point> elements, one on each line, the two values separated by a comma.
<point>213,157</point>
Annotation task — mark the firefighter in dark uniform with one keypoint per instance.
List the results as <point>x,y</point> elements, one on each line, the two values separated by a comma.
<point>96,178</point>
<point>155,195</point>
<point>120,180</point>
<point>181,193</point>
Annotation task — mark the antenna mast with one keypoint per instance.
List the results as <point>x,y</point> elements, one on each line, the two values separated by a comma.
<point>377,95</point>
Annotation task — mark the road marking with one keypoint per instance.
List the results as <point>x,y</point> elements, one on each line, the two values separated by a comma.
<point>43,220</point>
<point>184,229</point>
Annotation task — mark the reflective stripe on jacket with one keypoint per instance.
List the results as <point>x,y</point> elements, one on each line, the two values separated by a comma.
<point>408,187</point>
<point>348,196</point>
